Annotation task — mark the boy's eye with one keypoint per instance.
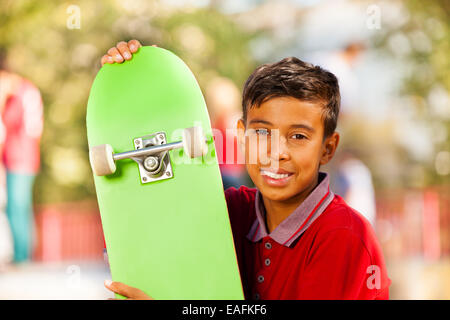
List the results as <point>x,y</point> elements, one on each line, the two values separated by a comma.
<point>298,136</point>
<point>262,132</point>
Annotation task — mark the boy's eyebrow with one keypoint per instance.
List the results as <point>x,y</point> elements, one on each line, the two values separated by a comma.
<point>260,121</point>
<point>301,126</point>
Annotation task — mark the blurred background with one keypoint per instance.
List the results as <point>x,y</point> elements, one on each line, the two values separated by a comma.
<point>393,164</point>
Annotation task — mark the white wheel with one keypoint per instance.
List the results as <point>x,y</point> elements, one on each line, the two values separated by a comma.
<point>101,159</point>
<point>194,142</point>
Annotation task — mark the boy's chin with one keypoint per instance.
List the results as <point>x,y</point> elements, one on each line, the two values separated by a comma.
<point>274,194</point>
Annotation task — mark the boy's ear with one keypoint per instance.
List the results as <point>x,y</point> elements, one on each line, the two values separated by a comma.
<point>329,148</point>
<point>240,126</point>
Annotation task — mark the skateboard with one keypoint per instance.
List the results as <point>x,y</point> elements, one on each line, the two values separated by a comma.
<point>158,184</point>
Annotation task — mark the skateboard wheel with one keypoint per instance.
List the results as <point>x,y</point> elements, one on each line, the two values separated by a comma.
<point>194,143</point>
<point>101,158</point>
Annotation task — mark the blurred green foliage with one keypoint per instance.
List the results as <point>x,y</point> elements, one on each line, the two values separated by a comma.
<point>62,62</point>
<point>422,44</point>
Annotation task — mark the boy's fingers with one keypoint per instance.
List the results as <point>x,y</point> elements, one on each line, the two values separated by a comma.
<point>115,54</point>
<point>124,50</point>
<point>121,52</point>
<point>134,45</point>
<point>107,59</point>
<point>120,288</point>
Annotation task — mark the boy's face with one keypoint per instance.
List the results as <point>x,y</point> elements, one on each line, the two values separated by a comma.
<point>286,166</point>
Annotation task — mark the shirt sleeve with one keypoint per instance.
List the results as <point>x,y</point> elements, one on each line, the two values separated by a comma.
<point>339,267</point>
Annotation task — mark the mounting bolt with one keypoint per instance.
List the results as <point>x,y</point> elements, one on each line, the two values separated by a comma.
<point>151,163</point>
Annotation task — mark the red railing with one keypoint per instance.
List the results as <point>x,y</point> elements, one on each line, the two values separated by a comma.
<point>70,231</point>
<point>409,223</point>
<point>414,222</point>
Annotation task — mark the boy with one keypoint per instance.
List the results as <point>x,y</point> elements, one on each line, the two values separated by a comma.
<point>294,238</point>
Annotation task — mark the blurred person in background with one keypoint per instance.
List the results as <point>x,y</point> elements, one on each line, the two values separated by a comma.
<point>353,182</point>
<point>343,63</point>
<point>353,179</point>
<point>22,122</point>
<point>7,85</point>
<point>223,99</point>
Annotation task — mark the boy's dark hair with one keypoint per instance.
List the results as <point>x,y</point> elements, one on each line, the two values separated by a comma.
<point>294,78</point>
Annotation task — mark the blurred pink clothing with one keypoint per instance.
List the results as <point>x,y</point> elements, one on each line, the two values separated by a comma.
<point>233,167</point>
<point>23,123</point>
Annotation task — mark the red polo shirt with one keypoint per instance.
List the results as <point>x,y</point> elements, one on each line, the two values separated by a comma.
<point>323,250</point>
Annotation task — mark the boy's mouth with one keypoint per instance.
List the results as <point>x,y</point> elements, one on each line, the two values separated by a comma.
<point>276,177</point>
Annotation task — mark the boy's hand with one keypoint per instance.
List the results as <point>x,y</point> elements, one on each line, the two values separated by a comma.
<point>121,52</point>
<point>128,292</point>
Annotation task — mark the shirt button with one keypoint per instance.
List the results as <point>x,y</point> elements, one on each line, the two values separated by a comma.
<point>267,262</point>
<point>260,279</point>
<point>268,245</point>
<point>257,296</point>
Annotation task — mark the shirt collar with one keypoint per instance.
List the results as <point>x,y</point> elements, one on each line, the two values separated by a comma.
<point>299,220</point>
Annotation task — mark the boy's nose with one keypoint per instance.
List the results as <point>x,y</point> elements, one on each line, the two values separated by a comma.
<point>278,149</point>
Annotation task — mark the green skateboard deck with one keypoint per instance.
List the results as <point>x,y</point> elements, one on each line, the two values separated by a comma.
<point>163,211</point>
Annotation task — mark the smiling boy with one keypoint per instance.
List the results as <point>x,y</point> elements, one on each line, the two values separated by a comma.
<point>294,238</point>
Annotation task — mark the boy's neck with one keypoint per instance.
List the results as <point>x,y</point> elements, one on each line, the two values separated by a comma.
<point>277,211</point>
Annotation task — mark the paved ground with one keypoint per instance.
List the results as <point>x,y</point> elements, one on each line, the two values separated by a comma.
<point>68,280</point>
<point>416,279</point>
<point>411,279</point>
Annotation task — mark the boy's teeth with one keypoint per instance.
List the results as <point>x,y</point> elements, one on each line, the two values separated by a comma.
<point>275,175</point>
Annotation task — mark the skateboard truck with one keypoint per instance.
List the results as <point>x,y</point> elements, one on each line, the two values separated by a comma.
<point>153,167</point>
<point>151,153</point>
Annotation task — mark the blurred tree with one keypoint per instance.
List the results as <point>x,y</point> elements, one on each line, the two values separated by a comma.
<point>44,45</point>
<point>421,42</point>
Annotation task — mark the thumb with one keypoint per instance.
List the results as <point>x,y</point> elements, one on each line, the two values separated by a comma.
<point>125,290</point>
